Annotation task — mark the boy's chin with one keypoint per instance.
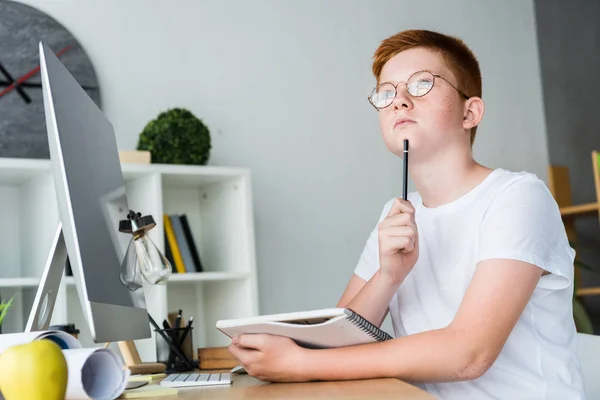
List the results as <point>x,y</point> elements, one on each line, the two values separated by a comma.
<point>395,142</point>
<point>414,141</point>
<point>416,146</point>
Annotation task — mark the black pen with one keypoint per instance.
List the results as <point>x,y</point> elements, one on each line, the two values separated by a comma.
<point>176,326</point>
<point>171,334</point>
<point>405,172</point>
<point>178,320</point>
<point>188,328</point>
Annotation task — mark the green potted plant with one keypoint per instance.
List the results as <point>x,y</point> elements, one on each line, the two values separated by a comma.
<point>4,306</point>
<point>176,136</point>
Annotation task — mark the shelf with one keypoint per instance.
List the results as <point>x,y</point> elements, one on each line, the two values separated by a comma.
<point>207,276</point>
<point>174,279</point>
<point>19,282</point>
<point>14,171</point>
<point>580,209</point>
<point>191,277</point>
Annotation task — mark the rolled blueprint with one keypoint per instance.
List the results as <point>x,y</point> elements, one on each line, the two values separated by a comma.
<point>96,374</point>
<point>63,339</point>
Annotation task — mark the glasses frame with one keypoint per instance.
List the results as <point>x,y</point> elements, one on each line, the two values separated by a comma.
<point>398,84</point>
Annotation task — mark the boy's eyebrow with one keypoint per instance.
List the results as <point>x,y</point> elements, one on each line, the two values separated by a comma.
<point>411,74</point>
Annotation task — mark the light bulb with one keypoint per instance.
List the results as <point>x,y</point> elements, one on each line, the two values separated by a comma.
<point>155,267</point>
<point>131,275</point>
<point>144,259</point>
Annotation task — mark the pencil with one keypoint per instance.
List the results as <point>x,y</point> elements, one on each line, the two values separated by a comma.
<point>405,171</point>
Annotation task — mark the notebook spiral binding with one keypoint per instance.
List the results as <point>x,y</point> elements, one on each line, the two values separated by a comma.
<point>366,326</point>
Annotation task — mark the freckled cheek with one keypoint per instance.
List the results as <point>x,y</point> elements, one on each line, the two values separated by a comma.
<point>446,115</point>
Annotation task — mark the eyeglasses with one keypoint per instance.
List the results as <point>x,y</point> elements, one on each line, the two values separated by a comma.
<point>418,85</point>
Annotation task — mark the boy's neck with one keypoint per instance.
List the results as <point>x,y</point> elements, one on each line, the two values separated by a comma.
<point>447,176</point>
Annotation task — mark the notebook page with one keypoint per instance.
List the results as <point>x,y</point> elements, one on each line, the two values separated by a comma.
<point>298,316</point>
<point>336,332</point>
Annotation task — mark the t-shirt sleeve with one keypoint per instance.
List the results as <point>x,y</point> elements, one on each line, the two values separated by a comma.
<point>368,263</point>
<point>524,223</point>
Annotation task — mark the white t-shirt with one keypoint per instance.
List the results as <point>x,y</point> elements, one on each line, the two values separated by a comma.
<point>509,215</point>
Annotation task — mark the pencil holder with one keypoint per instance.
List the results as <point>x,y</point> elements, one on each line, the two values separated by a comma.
<point>182,339</point>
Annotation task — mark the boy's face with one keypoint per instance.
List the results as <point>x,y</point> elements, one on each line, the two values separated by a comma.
<point>430,122</point>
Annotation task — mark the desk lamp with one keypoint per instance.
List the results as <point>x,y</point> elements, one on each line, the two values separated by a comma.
<point>142,257</point>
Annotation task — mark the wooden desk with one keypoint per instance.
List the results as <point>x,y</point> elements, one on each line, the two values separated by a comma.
<point>246,387</point>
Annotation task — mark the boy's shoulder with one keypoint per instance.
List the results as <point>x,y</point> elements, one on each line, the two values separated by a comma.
<point>517,184</point>
<point>510,177</point>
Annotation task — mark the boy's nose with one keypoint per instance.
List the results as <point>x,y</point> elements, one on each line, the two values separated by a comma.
<point>402,99</point>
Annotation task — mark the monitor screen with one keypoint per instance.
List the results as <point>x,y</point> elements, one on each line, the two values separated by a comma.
<point>92,200</point>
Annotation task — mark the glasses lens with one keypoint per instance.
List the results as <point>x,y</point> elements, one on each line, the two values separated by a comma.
<point>383,95</point>
<point>420,84</point>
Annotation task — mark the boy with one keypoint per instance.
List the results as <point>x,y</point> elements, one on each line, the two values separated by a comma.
<point>474,268</point>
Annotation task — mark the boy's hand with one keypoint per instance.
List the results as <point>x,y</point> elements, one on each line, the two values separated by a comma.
<point>270,358</point>
<point>398,242</point>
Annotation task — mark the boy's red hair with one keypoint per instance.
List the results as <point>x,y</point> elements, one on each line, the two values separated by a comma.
<point>459,58</point>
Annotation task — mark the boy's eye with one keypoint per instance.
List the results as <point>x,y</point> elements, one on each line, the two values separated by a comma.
<point>419,87</point>
<point>383,95</point>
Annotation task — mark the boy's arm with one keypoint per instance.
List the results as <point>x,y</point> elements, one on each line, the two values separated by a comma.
<point>465,349</point>
<point>394,246</point>
<point>354,286</point>
<point>369,299</point>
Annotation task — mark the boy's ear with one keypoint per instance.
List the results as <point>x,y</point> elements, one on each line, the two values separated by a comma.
<point>473,112</point>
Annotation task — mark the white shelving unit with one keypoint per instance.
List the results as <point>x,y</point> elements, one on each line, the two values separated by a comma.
<point>218,205</point>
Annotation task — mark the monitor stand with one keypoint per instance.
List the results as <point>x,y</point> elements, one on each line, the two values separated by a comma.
<point>45,299</point>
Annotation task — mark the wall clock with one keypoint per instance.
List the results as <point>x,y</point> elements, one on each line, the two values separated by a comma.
<point>22,120</point>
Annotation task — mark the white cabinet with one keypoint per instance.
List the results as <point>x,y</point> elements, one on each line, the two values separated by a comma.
<point>218,204</point>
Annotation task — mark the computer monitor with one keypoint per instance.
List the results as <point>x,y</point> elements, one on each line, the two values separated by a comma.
<point>92,200</point>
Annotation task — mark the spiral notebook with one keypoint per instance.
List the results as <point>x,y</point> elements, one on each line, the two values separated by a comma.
<point>326,328</point>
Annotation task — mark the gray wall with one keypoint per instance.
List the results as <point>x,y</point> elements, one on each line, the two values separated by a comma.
<point>569,46</point>
<point>283,87</point>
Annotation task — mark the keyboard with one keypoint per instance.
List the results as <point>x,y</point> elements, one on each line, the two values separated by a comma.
<point>187,380</point>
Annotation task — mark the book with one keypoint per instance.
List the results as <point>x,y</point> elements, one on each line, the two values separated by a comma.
<point>191,242</point>
<point>168,253</point>
<point>182,243</point>
<point>174,248</point>
<point>324,328</point>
